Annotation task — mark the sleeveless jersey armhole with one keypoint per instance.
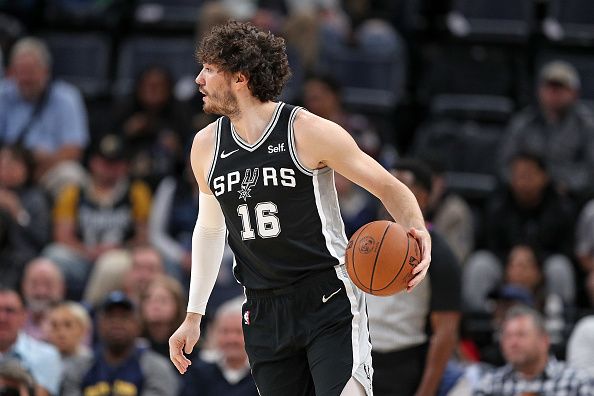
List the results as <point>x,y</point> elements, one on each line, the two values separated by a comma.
<point>292,146</point>
<point>215,154</point>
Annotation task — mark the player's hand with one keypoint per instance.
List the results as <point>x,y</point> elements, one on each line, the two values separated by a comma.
<point>424,240</point>
<point>183,341</point>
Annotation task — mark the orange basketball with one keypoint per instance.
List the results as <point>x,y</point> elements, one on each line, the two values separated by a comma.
<point>380,257</point>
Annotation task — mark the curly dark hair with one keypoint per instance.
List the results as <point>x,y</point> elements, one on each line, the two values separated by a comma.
<point>241,47</point>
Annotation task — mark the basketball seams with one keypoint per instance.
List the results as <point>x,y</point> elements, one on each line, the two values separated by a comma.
<point>379,250</point>
<point>401,266</point>
<point>373,266</point>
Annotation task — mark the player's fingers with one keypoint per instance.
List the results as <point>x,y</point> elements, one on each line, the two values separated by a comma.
<point>424,240</point>
<point>190,342</point>
<point>175,354</point>
<point>416,280</point>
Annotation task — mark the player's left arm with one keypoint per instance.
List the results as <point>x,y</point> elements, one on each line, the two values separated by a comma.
<point>323,143</point>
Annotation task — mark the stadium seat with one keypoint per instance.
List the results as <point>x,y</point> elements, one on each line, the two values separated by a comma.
<point>168,14</point>
<point>86,13</point>
<point>486,108</point>
<point>501,20</point>
<point>472,70</point>
<point>176,54</point>
<point>570,21</point>
<point>81,59</point>
<point>372,74</point>
<point>467,150</point>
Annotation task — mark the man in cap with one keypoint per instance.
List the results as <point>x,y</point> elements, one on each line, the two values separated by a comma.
<point>105,214</point>
<point>121,366</point>
<point>560,129</point>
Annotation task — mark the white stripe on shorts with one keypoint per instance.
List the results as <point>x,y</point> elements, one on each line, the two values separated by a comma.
<point>362,369</point>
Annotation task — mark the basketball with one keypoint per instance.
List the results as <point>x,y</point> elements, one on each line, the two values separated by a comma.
<point>380,258</point>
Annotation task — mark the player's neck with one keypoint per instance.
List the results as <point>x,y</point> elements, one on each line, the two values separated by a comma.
<point>252,118</point>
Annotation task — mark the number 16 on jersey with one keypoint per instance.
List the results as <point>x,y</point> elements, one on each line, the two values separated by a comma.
<point>267,224</point>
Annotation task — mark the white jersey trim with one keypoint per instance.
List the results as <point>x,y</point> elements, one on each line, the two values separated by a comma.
<point>292,146</point>
<point>329,213</point>
<point>362,369</point>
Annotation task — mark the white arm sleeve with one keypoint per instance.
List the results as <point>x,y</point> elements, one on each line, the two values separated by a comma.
<point>208,243</point>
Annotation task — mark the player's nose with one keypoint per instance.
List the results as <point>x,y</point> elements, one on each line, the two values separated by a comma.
<point>199,78</point>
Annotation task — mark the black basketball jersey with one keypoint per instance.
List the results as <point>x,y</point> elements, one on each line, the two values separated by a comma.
<point>283,219</point>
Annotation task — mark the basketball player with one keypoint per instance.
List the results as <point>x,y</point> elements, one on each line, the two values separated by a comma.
<point>265,172</point>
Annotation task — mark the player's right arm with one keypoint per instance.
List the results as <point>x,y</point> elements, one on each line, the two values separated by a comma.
<point>208,243</point>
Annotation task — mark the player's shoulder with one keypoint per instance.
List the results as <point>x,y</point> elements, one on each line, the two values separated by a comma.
<point>309,125</point>
<point>305,118</point>
<point>206,134</point>
<point>204,140</point>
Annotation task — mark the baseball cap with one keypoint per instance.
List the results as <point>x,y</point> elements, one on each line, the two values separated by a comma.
<point>117,298</point>
<point>515,293</point>
<point>111,147</point>
<point>560,72</point>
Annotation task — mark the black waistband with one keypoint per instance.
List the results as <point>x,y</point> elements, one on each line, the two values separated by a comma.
<point>329,273</point>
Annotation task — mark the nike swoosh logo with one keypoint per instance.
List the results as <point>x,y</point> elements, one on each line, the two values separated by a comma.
<point>325,299</point>
<point>225,155</point>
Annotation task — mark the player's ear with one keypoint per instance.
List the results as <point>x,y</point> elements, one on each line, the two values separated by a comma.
<point>241,78</point>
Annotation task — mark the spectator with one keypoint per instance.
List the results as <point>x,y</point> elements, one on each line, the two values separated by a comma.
<point>24,213</point>
<point>524,269</point>
<point>524,283</point>
<point>120,366</point>
<point>107,213</point>
<point>155,126</point>
<point>229,374</point>
<point>68,328</point>
<point>40,359</point>
<point>486,340</point>
<point>147,265</point>
<point>529,369</point>
<point>580,348</point>
<point>528,211</point>
<point>15,380</point>
<point>414,334</point>
<point>163,309</point>
<point>47,117</point>
<point>43,287</point>
<point>131,273</point>
<point>560,129</point>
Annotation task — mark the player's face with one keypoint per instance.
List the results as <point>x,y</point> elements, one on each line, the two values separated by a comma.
<point>215,85</point>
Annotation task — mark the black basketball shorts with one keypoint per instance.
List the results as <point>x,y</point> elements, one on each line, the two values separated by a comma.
<point>309,338</point>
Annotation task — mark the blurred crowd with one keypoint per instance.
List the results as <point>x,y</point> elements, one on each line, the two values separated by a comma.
<point>98,202</point>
